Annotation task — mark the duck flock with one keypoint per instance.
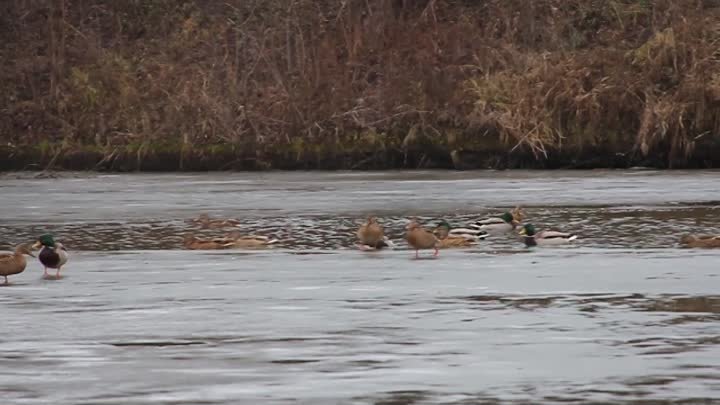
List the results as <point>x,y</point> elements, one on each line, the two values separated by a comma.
<point>370,237</point>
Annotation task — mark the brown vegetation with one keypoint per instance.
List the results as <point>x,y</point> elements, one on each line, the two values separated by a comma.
<point>254,84</point>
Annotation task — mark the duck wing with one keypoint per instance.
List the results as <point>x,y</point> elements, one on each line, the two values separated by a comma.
<point>555,235</point>
<point>258,238</point>
<point>489,221</point>
<point>453,241</point>
<point>469,233</point>
<point>63,253</point>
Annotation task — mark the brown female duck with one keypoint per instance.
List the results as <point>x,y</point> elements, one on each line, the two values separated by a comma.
<point>14,263</point>
<point>518,214</point>
<point>420,238</point>
<point>371,235</point>
<point>701,241</point>
<point>445,240</point>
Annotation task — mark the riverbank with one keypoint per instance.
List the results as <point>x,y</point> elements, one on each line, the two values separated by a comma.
<point>377,84</point>
<point>390,154</point>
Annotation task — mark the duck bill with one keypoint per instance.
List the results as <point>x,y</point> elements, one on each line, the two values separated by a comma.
<point>37,245</point>
<point>522,232</point>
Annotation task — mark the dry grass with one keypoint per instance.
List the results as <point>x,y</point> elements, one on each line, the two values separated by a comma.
<point>258,76</point>
<point>658,95</point>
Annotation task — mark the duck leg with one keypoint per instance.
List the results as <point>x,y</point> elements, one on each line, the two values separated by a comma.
<point>6,281</point>
<point>437,252</point>
<point>57,273</point>
<point>46,273</point>
<point>417,253</point>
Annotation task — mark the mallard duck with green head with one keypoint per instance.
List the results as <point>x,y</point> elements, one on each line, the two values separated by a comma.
<point>482,228</point>
<point>544,238</point>
<point>14,263</point>
<point>53,255</point>
<point>443,231</point>
<point>420,238</point>
<point>701,241</point>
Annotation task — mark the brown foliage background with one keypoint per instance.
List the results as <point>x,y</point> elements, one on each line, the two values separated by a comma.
<point>301,77</point>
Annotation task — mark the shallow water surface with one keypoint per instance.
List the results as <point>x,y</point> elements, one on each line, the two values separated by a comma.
<point>623,316</point>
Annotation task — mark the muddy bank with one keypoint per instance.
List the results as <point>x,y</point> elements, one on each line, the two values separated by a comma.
<point>350,155</point>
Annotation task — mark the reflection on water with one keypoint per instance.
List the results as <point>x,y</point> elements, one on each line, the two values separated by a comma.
<point>623,317</point>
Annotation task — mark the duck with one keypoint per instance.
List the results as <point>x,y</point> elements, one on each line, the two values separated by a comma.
<point>518,214</point>
<point>14,263</point>
<point>533,238</point>
<point>483,228</point>
<point>191,242</point>
<point>420,238</point>
<point>701,241</point>
<point>205,222</point>
<point>371,235</point>
<point>249,241</point>
<point>53,254</point>
<point>447,240</point>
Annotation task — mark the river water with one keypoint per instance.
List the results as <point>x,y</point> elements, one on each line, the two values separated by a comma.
<point>623,316</point>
